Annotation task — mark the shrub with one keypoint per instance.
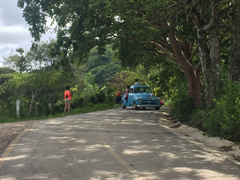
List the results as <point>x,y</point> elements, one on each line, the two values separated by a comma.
<point>198,117</point>
<point>101,97</point>
<point>224,119</point>
<point>58,107</point>
<point>77,102</point>
<point>24,108</point>
<point>44,104</point>
<point>93,99</point>
<point>182,106</point>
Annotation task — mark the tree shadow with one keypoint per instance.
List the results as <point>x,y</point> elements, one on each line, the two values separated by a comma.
<point>114,144</point>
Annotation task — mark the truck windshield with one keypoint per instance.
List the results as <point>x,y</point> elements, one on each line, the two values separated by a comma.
<point>142,90</point>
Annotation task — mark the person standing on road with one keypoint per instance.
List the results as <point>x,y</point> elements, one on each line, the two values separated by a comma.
<point>137,83</point>
<point>126,92</point>
<point>67,99</point>
<point>118,98</point>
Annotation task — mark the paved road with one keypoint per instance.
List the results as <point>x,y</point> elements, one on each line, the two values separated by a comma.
<point>114,144</point>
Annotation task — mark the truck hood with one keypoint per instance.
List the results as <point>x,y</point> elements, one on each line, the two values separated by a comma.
<point>146,96</point>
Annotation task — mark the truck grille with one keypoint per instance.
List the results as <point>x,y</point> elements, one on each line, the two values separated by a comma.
<point>150,102</point>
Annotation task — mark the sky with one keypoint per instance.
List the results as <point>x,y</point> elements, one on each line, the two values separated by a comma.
<point>14,29</point>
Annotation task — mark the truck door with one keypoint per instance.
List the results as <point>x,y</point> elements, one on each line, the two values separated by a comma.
<point>130,97</point>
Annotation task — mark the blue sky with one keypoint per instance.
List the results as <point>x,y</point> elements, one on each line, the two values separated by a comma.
<point>14,30</point>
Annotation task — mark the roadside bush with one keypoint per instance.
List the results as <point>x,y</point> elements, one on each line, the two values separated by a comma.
<point>198,117</point>
<point>24,108</point>
<point>182,106</point>
<point>44,104</point>
<point>93,99</point>
<point>101,97</point>
<point>224,119</point>
<point>77,100</point>
<point>167,102</point>
<point>8,109</point>
<point>58,107</point>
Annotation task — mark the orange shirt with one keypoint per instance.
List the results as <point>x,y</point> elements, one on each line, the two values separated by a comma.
<point>118,93</point>
<point>68,93</point>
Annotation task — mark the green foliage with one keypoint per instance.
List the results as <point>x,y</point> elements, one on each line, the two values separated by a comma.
<point>93,99</point>
<point>101,67</point>
<point>44,104</point>
<point>101,96</point>
<point>58,107</point>
<point>167,102</point>
<point>6,70</point>
<point>24,107</point>
<point>86,109</point>
<point>198,117</point>
<point>224,119</point>
<point>182,106</point>
<point>45,85</point>
<point>77,100</point>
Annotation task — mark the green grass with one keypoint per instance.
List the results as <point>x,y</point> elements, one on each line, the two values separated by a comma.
<point>87,109</point>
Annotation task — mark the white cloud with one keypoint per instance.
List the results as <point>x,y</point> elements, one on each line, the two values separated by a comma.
<point>14,29</point>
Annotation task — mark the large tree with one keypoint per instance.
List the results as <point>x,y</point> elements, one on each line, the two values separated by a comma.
<point>234,69</point>
<point>154,25</point>
<point>17,62</point>
<point>41,57</point>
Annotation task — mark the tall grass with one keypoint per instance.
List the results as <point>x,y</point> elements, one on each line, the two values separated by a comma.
<point>87,109</point>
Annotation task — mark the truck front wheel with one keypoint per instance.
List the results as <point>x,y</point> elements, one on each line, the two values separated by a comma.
<point>135,106</point>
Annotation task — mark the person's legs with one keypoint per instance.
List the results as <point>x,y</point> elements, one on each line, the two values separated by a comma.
<point>119,101</point>
<point>116,101</point>
<point>69,106</point>
<point>65,108</point>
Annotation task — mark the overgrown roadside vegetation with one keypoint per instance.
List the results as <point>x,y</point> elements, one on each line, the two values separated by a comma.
<point>189,57</point>
<point>222,120</point>
<point>88,109</point>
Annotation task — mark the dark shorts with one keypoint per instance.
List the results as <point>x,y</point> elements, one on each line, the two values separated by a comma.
<point>118,100</point>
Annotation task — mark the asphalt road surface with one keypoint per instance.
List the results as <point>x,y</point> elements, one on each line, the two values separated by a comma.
<point>115,144</point>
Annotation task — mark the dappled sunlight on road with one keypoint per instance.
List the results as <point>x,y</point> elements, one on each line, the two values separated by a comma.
<point>135,152</point>
<point>15,157</point>
<point>119,144</point>
<point>168,155</point>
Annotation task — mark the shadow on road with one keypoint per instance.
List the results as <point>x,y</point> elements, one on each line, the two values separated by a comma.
<point>114,144</point>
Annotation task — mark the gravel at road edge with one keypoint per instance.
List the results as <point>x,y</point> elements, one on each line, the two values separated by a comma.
<point>9,131</point>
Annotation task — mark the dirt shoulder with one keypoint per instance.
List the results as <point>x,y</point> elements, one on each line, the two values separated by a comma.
<point>9,131</point>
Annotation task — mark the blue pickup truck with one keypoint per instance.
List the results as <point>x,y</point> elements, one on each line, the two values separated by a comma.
<point>141,97</point>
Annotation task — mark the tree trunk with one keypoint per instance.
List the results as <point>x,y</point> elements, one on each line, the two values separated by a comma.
<point>214,46</point>
<point>210,60</point>
<point>194,85</point>
<point>234,68</point>
<point>31,104</point>
<point>192,75</point>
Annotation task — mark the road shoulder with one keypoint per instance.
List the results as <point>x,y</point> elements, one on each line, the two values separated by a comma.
<point>220,147</point>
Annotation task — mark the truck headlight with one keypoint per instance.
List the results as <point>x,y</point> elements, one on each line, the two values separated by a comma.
<point>139,99</point>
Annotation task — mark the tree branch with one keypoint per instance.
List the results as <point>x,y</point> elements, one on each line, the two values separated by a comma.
<point>198,68</point>
<point>150,49</point>
<point>164,50</point>
<point>151,42</point>
<point>193,54</point>
<point>213,17</point>
<point>169,63</point>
